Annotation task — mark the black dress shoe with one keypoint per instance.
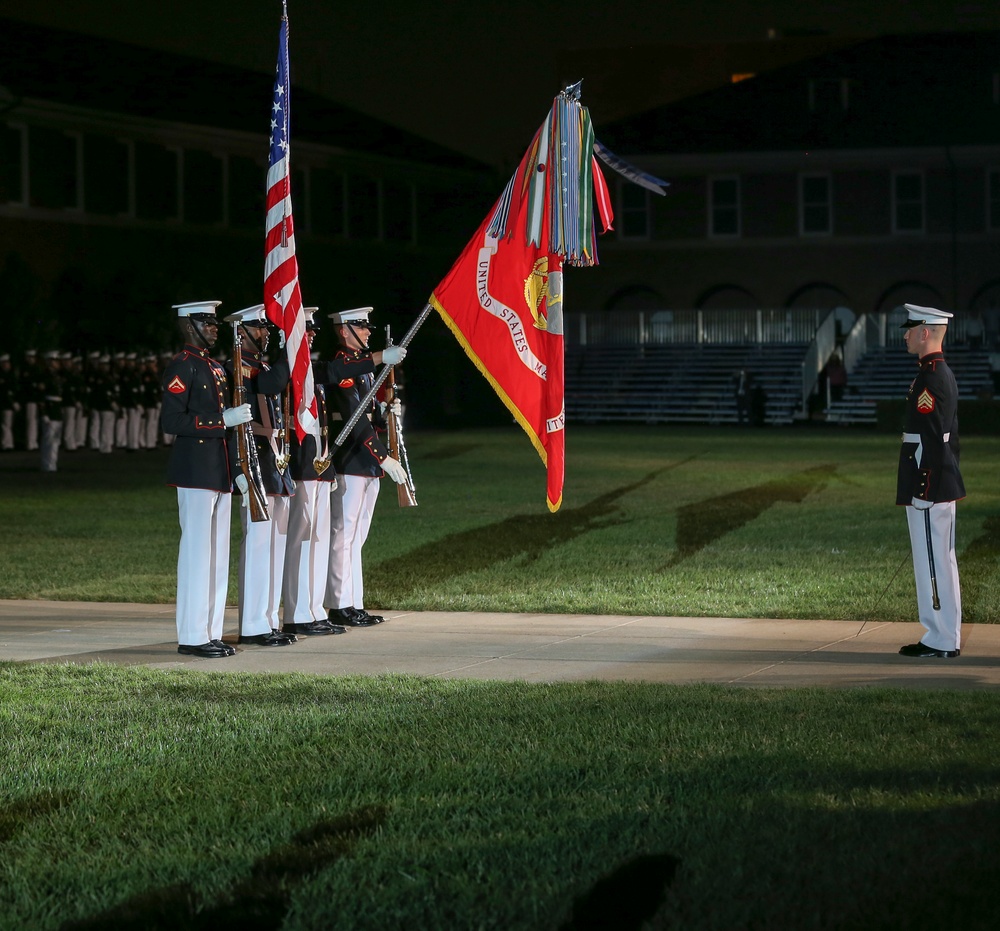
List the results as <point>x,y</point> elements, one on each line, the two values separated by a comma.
<point>230,651</point>
<point>208,650</point>
<point>315,628</point>
<point>377,618</point>
<point>286,633</point>
<point>923,651</point>
<point>348,617</point>
<point>273,639</point>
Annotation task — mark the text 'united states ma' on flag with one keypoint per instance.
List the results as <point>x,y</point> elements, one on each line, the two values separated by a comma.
<point>282,297</point>
<point>503,298</point>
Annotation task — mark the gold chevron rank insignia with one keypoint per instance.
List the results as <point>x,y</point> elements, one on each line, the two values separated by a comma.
<point>925,402</point>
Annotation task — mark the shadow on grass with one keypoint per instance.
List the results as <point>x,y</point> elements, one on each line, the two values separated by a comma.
<point>259,903</point>
<point>627,897</point>
<point>703,522</point>
<point>17,815</point>
<point>526,536</point>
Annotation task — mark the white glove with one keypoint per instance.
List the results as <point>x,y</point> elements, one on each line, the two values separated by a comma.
<point>233,416</point>
<point>393,355</point>
<point>243,486</point>
<point>396,408</point>
<point>281,339</point>
<point>921,505</point>
<point>394,470</point>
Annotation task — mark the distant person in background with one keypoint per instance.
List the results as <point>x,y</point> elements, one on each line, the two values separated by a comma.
<point>929,483</point>
<point>836,377</point>
<point>50,410</point>
<point>743,395</point>
<point>30,396</point>
<point>8,402</point>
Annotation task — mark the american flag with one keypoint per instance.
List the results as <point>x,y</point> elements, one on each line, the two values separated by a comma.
<point>282,297</point>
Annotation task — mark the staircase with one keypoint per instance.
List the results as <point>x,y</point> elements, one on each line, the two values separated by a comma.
<point>679,383</point>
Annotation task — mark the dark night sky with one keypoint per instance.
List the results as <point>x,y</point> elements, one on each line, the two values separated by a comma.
<point>476,76</point>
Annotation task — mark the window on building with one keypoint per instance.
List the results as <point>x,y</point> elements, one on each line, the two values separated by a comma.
<point>155,182</point>
<point>724,207</point>
<point>105,175</point>
<point>634,211</point>
<point>907,202</point>
<point>993,199</point>
<point>247,180</point>
<point>397,211</point>
<point>815,205</point>
<point>204,190</point>
<point>362,208</point>
<point>11,184</point>
<point>52,175</point>
<point>326,202</point>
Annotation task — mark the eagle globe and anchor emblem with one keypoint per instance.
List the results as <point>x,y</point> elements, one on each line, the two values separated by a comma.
<point>543,295</point>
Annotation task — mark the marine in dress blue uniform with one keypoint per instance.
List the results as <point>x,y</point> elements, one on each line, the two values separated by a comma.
<point>361,462</point>
<point>195,408</point>
<point>50,409</point>
<point>929,483</point>
<point>307,550</point>
<point>262,546</point>
<point>8,402</point>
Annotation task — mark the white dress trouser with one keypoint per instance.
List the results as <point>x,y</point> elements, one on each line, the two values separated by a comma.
<point>106,431</point>
<point>262,564</point>
<point>7,430</point>
<point>52,431</point>
<point>202,564</point>
<point>81,427</point>
<point>150,427</point>
<point>69,426</point>
<point>944,625</point>
<point>307,552</point>
<point>133,427</point>
<point>31,424</point>
<point>352,505</point>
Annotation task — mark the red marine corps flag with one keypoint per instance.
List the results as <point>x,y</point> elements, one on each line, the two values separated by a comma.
<point>503,298</point>
<point>282,297</point>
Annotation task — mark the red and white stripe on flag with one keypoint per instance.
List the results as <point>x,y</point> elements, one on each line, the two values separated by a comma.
<point>282,297</point>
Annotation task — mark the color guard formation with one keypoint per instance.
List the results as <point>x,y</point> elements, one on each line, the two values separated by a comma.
<point>306,506</point>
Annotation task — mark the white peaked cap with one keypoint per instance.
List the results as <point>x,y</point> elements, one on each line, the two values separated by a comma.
<point>253,314</point>
<point>352,316</point>
<point>924,316</point>
<point>196,307</point>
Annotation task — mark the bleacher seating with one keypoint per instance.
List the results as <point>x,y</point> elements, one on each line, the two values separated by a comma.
<point>886,373</point>
<point>680,383</point>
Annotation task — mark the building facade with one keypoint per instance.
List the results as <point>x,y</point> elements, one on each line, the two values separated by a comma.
<point>862,178</point>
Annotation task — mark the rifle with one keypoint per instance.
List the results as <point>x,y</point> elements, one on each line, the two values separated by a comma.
<point>397,448</point>
<point>246,448</point>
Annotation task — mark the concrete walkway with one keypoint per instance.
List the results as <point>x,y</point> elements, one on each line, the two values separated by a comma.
<point>528,647</point>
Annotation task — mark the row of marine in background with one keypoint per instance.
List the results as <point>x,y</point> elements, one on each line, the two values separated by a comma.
<point>57,400</point>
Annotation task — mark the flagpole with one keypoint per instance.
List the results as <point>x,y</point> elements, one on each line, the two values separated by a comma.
<point>382,376</point>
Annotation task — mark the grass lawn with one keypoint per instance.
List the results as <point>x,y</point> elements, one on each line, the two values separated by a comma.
<point>141,798</point>
<point>138,798</point>
<point>696,521</point>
